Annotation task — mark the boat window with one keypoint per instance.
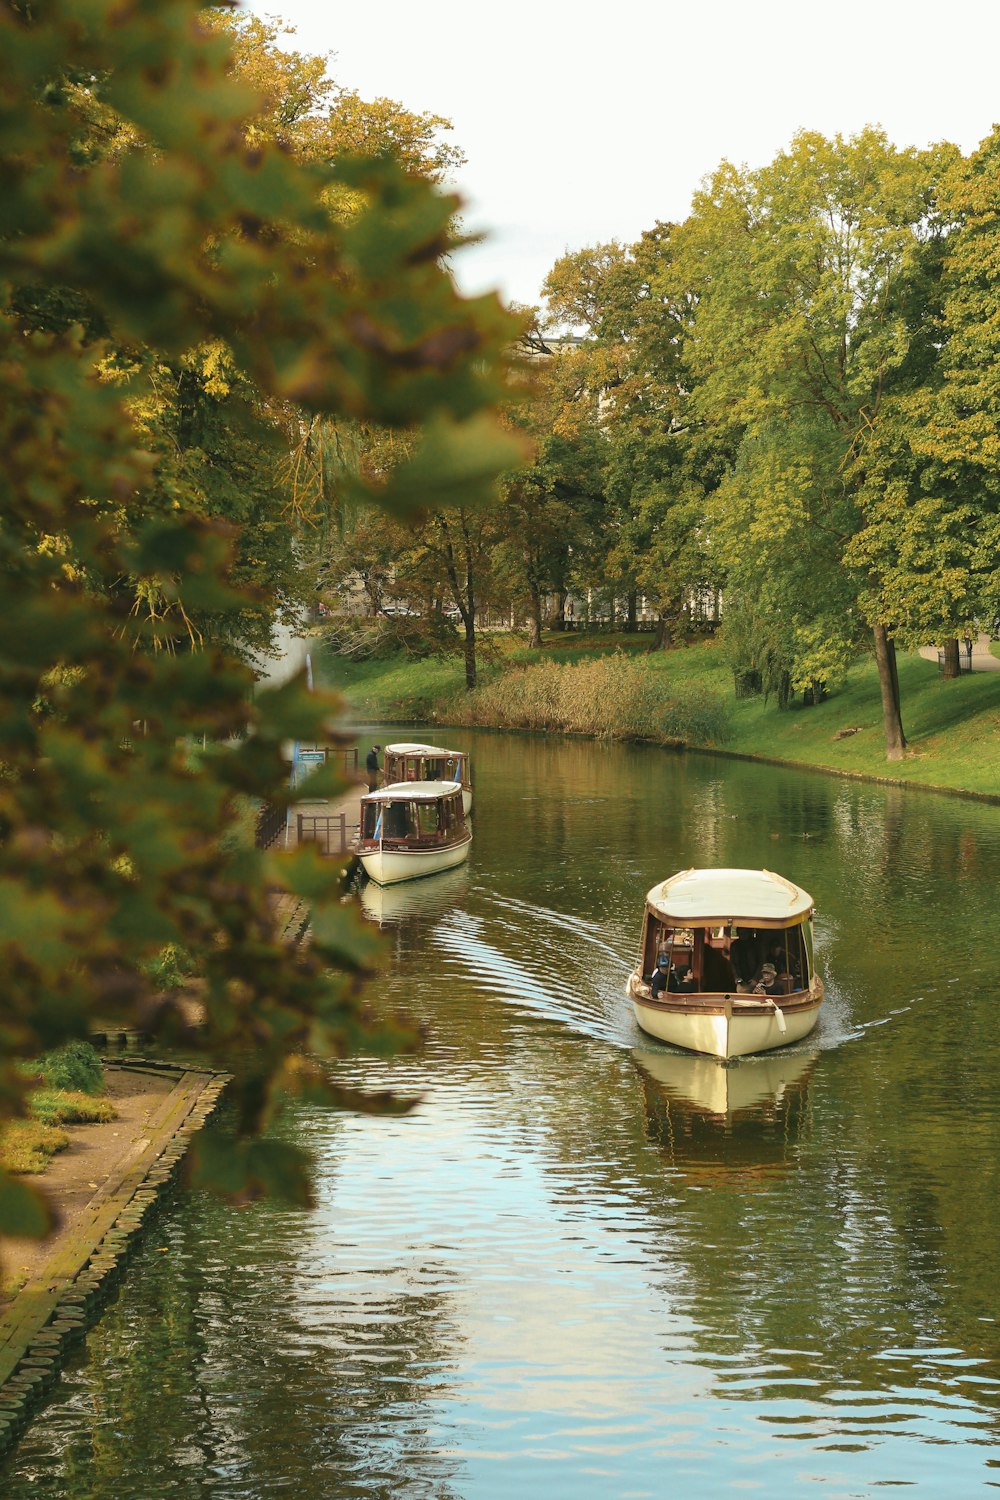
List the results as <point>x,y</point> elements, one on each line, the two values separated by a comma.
<point>747,951</point>
<point>427,818</point>
<point>397,821</point>
<point>369,817</point>
<point>783,949</point>
<point>713,967</point>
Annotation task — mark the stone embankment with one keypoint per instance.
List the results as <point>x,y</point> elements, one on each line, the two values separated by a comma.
<point>66,1293</point>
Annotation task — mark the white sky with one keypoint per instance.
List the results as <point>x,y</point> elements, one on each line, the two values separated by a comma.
<point>587,122</point>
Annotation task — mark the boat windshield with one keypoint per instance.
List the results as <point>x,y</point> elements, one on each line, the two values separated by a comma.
<point>420,821</point>
<point>387,820</point>
<point>732,958</point>
<point>425,765</point>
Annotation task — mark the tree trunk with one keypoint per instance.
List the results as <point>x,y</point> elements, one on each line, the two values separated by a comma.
<point>535,619</point>
<point>557,615</point>
<point>888,680</point>
<point>663,636</point>
<point>470,653</point>
<point>784,689</point>
<point>632,616</point>
<point>952,667</point>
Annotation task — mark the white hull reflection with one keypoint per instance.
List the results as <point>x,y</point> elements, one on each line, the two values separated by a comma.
<point>388,904</point>
<point>752,1084</point>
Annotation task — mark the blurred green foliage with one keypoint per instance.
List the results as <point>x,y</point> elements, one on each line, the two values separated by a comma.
<point>146,230</point>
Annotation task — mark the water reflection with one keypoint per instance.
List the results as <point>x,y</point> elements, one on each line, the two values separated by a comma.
<point>584,1265</point>
<point>389,905</point>
<point>754,1087</point>
<point>734,1127</point>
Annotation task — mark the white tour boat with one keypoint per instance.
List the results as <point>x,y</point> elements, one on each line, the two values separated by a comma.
<point>429,763</point>
<point>412,828</point>
<point>726,964</point>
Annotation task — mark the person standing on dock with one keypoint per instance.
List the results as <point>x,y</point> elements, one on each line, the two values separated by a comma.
<point>372,767</point>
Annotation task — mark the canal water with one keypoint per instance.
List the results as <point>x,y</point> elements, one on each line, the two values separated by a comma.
<point>587,1265</point>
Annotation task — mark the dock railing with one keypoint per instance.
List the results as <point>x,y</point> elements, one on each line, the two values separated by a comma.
<point>330,832</point>
<point>270,827</point>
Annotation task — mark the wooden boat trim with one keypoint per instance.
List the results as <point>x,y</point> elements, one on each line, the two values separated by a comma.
<point>744,1005</point>
<point>425,845</point>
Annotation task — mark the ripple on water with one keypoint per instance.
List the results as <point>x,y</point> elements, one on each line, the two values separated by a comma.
<point>583,1264</point>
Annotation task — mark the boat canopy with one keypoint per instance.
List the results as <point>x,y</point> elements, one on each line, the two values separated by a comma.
<point>424,750</point>
<point>413,791</point>
<point>710,898</point>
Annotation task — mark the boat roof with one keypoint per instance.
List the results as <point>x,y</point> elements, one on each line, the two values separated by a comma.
<point>413,791</point>
<point>710,897</point>
<point>420,750</point>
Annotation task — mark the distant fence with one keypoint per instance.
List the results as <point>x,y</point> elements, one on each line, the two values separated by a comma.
<point>964,661</point>
<point>330,832</point>
<point>270,825</point>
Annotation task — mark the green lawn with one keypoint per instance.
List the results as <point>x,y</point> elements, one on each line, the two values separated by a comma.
<point>953,728</point>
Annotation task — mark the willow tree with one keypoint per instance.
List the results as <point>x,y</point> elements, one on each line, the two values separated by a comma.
<point>114,838</point>
<point>803,322</point>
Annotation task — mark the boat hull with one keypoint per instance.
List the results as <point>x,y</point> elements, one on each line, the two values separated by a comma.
<point>390,866</point>
<point>725,1026</point>
<point>466,800</point>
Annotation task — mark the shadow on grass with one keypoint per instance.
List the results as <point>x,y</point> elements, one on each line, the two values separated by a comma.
<point>937,706</point>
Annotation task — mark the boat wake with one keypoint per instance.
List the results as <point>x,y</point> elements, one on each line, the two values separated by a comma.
<point>579,927</point>
<point>576,983</point>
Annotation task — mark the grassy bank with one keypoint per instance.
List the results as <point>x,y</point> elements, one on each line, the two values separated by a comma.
<point>69,1091</point>
<point>614,686</point>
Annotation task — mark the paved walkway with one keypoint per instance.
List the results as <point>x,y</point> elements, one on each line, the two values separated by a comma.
<point>983,659</point>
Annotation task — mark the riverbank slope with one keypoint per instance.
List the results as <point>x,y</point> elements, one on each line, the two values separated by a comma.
<point>617,687</point>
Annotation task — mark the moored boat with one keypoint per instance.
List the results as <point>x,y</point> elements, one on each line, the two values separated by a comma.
<point>726,965</point>
<point>412,828</point>
<point>406,762</point>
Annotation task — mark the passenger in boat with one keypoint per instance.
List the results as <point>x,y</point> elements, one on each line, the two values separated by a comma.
<point>767,984</point>
<point>660,975</point>
<point>786,970</point>
<point>371,767</point>
<point>681,981</point>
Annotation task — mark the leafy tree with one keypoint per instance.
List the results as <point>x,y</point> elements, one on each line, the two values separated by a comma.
<point>115,839</point>
<point>654,470</point>
<point>552,506</point>
<point>802,279</point>
<point>929,477</point>
<point>221,444</point>
<point>451,557</point>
